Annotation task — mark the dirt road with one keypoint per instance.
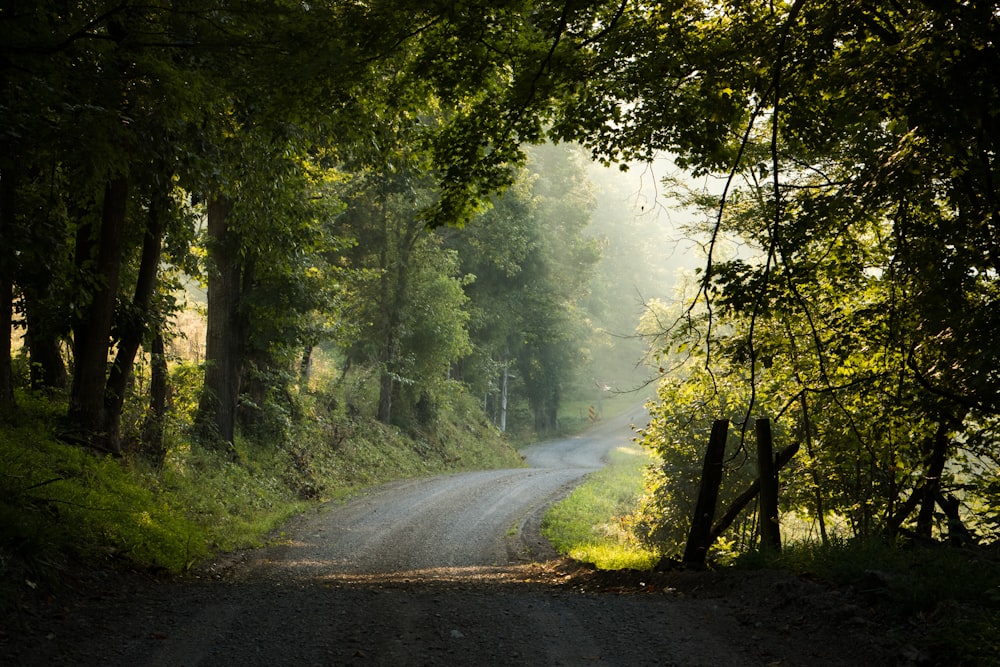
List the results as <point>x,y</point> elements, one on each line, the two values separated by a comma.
<point>427,526</point>
<point>452,571</point>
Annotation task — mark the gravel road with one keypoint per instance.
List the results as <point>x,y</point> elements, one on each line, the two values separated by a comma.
<point>451,571</point>
<point>425,527</point>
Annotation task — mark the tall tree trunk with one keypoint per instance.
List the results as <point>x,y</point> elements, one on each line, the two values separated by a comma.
<point>136,320</point>
<point>42,338</point>
<point>153,447</point>
<point>47,312</point>
<point>92,332</point>
<point>256,364</point>
<point>818,491</point>
<point>931,489</point>
<point>223,340</point>
<point>7,403</point>
<point>393,291</point>
<point>7,197</point>
<point>305,366</point>
<point>385,389</point>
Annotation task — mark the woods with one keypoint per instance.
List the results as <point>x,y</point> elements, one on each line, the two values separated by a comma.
<point>851,286</point>
<point>370,183</point>
<point>148,145</point>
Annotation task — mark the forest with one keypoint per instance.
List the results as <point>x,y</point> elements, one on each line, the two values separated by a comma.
<point>381,210</point>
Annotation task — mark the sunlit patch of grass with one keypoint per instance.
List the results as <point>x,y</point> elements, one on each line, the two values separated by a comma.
<point>58,498</point>
<point>615,556</point>
<point>589,525</point>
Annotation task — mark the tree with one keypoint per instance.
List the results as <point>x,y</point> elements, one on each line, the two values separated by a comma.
<point>412,312</point>
<point>531,264</point>
<point>868,209</point>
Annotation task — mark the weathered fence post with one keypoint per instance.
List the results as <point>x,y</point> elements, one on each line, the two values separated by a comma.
<point>700,537</point>
<point>770,531</point>
<point>782,457</point>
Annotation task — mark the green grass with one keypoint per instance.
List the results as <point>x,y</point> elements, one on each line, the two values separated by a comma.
<point>63,504</point>
<point>589,524</point>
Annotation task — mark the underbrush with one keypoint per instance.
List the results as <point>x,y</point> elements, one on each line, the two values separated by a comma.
<point>590,524</point>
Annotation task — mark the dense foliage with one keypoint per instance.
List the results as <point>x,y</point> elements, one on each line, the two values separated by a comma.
<point>312,164</point>
<point>858,309</point>
<point>261,252</point>
<point>298,178</point>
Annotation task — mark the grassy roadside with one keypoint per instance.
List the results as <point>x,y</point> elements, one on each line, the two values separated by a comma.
<point>589,524</point>
<point>63,506</point>
<point>943,603</point>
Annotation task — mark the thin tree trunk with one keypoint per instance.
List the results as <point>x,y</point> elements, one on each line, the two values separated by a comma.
<point>932,482</point>
<point>135,323</point>
<point>770,531</point>
<point>45,313</point>
<point>386,387</point>
<point>223,340</point>
<point>92,333</point>
<point>153,447</point>
<point>392,304</point>
<point>7,197</point>
<point>958,534</point>
<point>895,522</point>
<point>305,366</point>
<point>818,491</point>
<point>256,364</point>
<point>48,369</point>
<point>7,403</point>
<point>503,395</point>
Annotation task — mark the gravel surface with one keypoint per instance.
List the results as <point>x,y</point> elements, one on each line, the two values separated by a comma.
<point>449,571</point>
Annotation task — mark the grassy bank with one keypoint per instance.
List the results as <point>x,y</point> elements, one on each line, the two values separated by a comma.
<point>63,505</point>
<point>589,524</point>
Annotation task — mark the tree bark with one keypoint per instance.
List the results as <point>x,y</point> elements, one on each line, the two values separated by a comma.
<point>223,342</point>
<point>92,332</point>
<point>392,305</point>
<point>818,493</point>
<point>932,481</point>
<point>255,368</point>
<point>386,387</point>
<point>136,320</point>
<point>7,403</point>
<point>48,369</point>
<point>47,312</point>
<point>305,366</point>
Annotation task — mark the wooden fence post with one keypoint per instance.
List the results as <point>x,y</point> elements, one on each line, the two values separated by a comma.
<point>770,532</point>
<point>780,459</point>
<point>699,538</point>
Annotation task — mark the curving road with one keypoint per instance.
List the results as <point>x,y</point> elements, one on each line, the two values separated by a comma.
<point>427,526</point>
<point>437,572</point>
